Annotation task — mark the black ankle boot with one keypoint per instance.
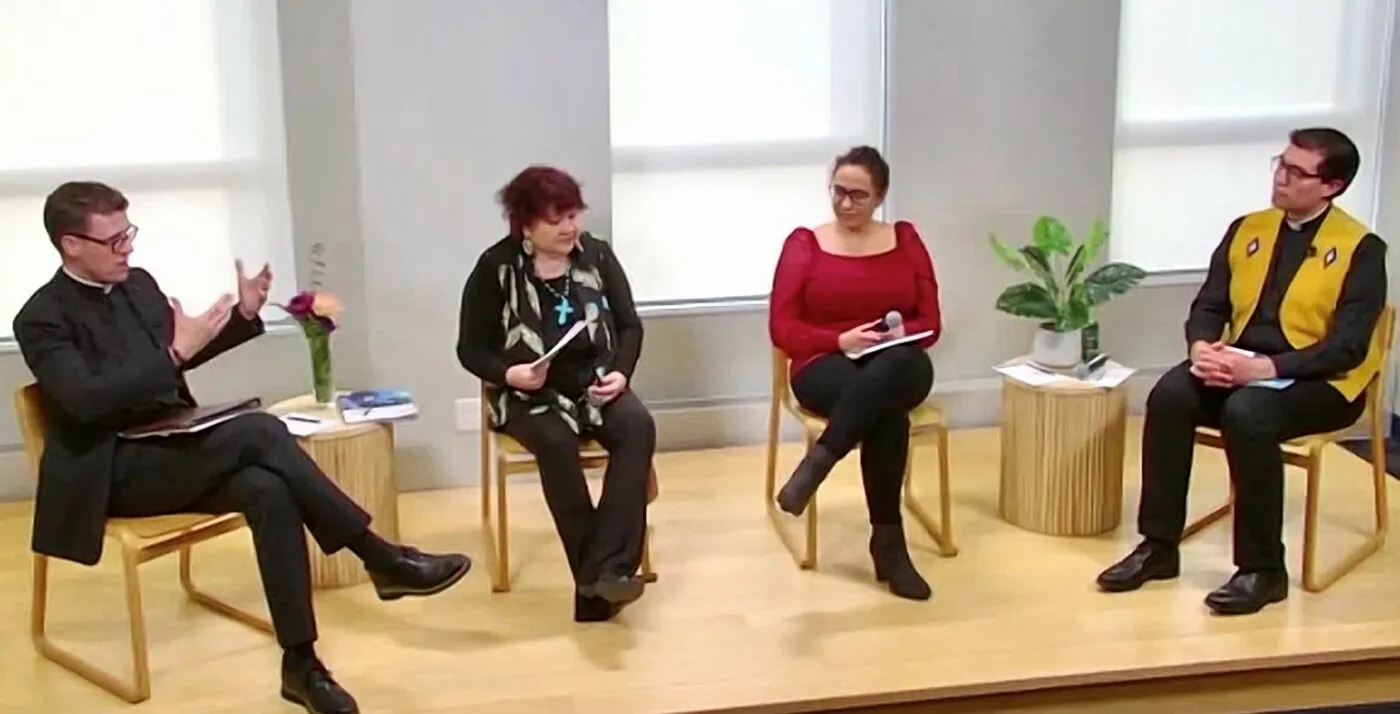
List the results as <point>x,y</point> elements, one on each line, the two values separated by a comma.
<point>892,563</point>
<point>805,479</point>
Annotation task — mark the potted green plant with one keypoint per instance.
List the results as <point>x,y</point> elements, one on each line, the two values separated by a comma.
<point>1062,292</point>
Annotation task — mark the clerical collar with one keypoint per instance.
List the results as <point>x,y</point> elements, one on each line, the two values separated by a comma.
<point>1298,225</point>
<point>104,287</point>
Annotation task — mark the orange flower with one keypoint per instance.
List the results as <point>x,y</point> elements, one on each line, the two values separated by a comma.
<point>326,305</point>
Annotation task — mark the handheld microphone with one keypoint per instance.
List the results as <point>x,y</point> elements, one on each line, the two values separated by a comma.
<point>891,321</point>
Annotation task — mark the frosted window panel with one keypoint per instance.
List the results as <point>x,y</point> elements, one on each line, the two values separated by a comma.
<point>702,234</point>
<point>1223,59</point>
<point>30,259</point>
<point>188,241</point>
<point>87,83</point>
<point>1172,204</point>
<point>698,72</point>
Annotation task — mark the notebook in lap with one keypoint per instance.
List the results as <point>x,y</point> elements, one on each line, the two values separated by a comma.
<point>194,419</point>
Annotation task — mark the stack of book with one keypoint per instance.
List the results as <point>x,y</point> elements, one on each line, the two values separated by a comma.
<point>376,405</point>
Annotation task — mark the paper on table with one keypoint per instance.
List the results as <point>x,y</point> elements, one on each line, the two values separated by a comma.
<point>889,343</point>
<point>571,334</point>
<point>304,424</point>
<point>1112,375</point>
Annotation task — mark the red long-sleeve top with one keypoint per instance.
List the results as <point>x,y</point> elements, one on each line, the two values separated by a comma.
<point>818,295</point>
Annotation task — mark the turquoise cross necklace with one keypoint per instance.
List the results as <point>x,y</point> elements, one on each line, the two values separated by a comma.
<point>562,309</point>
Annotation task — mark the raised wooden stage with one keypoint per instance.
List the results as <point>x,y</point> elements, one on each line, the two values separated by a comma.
<point>1015,624</point>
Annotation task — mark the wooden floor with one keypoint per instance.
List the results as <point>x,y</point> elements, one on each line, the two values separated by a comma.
<point>734,626</point>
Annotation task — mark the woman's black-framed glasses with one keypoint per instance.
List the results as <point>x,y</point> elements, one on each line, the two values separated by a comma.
<point>115,243</point>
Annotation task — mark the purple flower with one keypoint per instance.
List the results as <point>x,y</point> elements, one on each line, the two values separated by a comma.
<point>299,307</point>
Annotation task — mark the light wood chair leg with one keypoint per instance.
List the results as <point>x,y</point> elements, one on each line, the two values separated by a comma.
<point>1313,581</point>
<point>214,604</point>
<point>494,530</point>
<point>805,554</point>
<point>942,532</point>
<point>501,581</point>
<point>648,575</point>
<point>1211,518</point>
<point>134,691</point>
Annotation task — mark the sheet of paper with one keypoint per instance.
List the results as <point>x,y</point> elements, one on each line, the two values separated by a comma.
<point>304,424</point>
<point>1031,375</point>
<point>1112,375</point>
<point>889,343</point>
<point>571,334</point>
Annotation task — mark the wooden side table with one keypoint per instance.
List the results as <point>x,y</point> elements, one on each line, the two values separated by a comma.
<point>360,459</point>
<point>1062,457</point>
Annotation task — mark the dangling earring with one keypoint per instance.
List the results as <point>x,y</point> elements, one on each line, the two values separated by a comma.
<point>528,246</point>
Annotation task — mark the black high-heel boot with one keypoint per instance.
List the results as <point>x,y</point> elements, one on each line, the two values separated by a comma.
<point>816,464</point>
<point>892,564</point>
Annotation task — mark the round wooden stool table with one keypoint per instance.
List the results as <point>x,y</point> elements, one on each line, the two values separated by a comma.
<point>359,458</point>
<point>1062,456</point>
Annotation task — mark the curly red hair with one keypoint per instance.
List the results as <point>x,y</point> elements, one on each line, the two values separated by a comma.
<point>538,192</point>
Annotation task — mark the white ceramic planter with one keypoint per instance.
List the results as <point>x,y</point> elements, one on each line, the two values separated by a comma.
<point>1057,349</point>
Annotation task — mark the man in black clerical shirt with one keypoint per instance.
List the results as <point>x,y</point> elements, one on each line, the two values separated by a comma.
<point>1283,344</point>
<point>108,351</point>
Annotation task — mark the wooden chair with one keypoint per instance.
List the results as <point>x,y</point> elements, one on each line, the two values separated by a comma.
<point>509,457</point>
<point>926,424</point>
<point>139,540</point>
<point>1306,453</point>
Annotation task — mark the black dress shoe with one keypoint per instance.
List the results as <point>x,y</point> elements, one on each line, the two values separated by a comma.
<point>417,573</point>
<point>616,589</point>
<point>1148,561</point>
<point>312,687</point>
<point>591,608</point>
<point>816,464</point>
<point>1249,592</point>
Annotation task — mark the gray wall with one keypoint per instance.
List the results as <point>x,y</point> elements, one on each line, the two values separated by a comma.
<point>402,125</point>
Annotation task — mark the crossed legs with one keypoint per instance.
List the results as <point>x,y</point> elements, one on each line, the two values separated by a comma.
<point>866,403</point>
<point>252,465</point>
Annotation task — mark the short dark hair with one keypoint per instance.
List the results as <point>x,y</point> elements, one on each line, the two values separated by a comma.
<point>535,192</point>
<point>68,207</point>
<point>868,158</point>
<point>1340,157</point>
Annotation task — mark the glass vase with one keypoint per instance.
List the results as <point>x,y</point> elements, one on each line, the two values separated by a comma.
<point>322,375</point>
<point>1090,341</point>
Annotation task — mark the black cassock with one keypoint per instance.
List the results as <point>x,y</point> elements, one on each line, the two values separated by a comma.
<point>101,359</point>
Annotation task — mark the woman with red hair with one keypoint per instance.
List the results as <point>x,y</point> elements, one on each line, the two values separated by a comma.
<point>520,300</point>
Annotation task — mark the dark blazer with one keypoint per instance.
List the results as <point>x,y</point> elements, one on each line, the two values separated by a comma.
<point>86,392</point>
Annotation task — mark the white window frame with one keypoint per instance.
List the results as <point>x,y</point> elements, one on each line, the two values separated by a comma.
<point>236,175</point>
<point>1355,102</point>
<point>632,160</point>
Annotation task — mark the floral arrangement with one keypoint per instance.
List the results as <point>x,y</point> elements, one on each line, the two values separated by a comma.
<point>317,311</point>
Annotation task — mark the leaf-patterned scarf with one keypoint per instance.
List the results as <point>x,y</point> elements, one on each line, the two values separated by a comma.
<point>522,319</point>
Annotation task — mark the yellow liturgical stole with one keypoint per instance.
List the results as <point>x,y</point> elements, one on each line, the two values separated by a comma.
<point>1311,299</point>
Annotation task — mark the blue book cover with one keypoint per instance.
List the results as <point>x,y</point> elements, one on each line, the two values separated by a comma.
<point>374,398</point>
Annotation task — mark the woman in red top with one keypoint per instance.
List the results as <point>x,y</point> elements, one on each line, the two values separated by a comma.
<point>833,289</point>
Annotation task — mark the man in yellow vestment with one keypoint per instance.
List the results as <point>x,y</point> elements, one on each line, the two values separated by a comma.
<point>1283,344</point>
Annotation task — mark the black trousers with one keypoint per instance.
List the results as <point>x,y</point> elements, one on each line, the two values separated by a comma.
<point>1253,421</point>
<point>606,539</point>
<point>249,465</point>
<point>866,403</point>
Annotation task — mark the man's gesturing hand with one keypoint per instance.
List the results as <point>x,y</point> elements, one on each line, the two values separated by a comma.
<point>193,334</point>
<point>252,291</point>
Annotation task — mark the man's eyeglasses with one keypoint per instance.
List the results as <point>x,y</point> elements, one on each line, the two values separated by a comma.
<point>116,242</point>
<point>1295,172</point>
